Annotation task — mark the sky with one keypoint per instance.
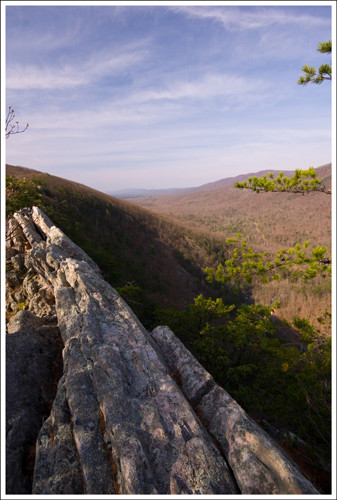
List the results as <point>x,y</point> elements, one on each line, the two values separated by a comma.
<point>170,94</point>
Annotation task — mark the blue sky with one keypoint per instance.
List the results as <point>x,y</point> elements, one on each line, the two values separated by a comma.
<point>156,96</point>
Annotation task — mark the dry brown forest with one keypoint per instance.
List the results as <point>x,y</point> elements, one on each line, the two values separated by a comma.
<point>269,221</point>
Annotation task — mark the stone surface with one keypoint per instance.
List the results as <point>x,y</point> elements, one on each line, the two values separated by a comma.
<point>134,412</point>
<point>33,367</point>
<point>258,464</point>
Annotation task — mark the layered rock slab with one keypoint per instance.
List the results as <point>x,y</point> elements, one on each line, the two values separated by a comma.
<point>122,420</point>
<point>259,465</point>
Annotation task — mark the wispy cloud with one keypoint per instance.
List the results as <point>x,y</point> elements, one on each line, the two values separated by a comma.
<point>74,73</point>
<point>43,41</point>
<point>204,87</point>
<point>157,96</point>
<point>161,108</point>
<point>253,19</point>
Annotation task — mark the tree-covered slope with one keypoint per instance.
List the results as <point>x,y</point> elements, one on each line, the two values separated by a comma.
<point>268,221</point>
<point>277,374</point>
<point>151,260</point>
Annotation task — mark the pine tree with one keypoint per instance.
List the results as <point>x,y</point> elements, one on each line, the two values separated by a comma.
<point>324,71</point>
<point>303,181</point>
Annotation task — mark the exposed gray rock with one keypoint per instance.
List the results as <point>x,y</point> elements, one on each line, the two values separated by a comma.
<point>258,464</point>
<point>59,462</point>
<point>15,239</point>
<point>18,262</point>
<point>134,413</point>
<point>12,279</point>
<point>39,295</point>
<point>34,365</point>
<point>134,430</point>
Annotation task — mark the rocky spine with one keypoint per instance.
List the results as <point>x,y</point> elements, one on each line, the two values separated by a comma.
<point>123,410</point>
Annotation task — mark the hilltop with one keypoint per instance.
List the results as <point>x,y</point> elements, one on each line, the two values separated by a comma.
<point>324,173</point>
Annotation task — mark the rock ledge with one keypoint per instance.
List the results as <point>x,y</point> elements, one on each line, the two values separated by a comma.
<point>124,411</point>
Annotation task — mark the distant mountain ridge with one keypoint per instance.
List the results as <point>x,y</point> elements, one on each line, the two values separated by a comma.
<point>323,172</point>
<point>227,181</point>
<point>139,192</point>
<point>221,183</point>
<point>269,222</point>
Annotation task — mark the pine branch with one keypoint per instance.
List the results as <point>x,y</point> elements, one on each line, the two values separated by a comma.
<point>299,183</point>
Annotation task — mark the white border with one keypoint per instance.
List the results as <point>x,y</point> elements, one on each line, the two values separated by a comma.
<point>3,211</point>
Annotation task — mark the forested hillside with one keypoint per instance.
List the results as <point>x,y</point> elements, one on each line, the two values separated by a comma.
<point>154,262</point>
<point>269,222</point>
<point>280,372</point>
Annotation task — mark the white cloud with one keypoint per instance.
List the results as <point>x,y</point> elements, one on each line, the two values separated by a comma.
<point>255,18</point>
<point>42,41</point>
<point>68,75</point>
<point>205,87</point>
<point>161,114</point>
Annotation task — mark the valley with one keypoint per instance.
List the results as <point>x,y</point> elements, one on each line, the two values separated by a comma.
<point>221,209</point>
<point>151,259</point>
<point>269,222</point>
<point>154,251</point>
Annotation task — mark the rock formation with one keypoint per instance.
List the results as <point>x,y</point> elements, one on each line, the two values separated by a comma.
<point>123,411</point>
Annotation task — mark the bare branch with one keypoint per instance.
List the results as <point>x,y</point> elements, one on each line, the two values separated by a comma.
<point>11,126</point>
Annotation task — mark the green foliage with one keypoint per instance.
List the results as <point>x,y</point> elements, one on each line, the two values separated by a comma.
<point>324,71</point>
<point>195,318</point>
<point>245,264</point>
<point>22,193</point>
<point>130,245</point>
<point>288,386</point>
<point>207,310</point>
<point>131,293</point>
<point>303,182</point>
<point>137,298</point>
<point>325,47</point>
